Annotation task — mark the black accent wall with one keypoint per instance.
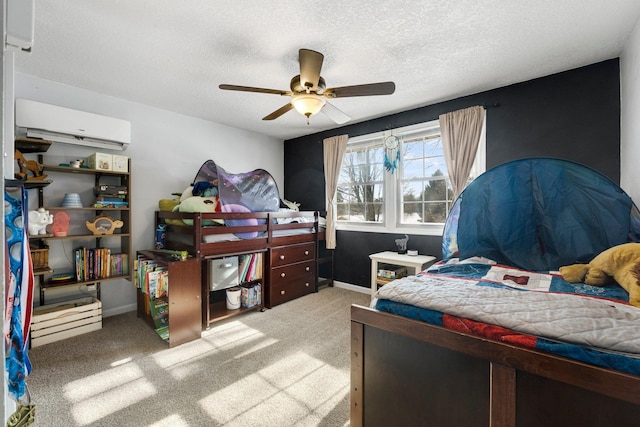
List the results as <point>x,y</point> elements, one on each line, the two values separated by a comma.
<point>573,115</point>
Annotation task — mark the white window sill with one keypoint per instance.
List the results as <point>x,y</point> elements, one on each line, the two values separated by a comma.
<point>423,230</point>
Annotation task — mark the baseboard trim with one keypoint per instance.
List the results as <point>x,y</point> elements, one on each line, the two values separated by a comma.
<point>351,287</point>
<point>119,310</point>
<point>133,307</point>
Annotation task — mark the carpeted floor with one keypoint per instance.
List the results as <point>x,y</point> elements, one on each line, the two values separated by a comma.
<point>288,366</point>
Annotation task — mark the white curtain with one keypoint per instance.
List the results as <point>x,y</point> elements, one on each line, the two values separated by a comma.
<point>461,132</point>
<point>334,149</point>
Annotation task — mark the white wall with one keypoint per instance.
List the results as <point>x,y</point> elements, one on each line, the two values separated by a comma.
<point>166,151</point>
<point>630,116</point>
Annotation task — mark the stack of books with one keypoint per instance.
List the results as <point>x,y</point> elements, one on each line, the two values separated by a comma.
<point>111,196</point>
<point>250,267</point>
<point>152,277</point>
<point>99,263</point>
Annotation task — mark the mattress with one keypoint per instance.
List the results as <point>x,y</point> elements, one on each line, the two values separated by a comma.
<point>227,237</point>
<point>530,309</point>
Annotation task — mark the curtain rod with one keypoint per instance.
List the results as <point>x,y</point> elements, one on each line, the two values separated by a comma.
<point>484,105</point>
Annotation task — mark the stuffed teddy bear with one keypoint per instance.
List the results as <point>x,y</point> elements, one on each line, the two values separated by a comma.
<point>620,263</point>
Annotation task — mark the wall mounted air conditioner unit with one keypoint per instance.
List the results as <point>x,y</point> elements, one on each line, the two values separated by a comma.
<point>59,124</point>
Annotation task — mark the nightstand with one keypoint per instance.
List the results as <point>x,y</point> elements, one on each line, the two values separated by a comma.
<point>416,262</point>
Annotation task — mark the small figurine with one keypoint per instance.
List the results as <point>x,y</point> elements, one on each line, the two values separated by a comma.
<point>38,221</point>
<point>60,224</point>
<point>103,225</point>
<point>401,244</point>
<point>26,166</point>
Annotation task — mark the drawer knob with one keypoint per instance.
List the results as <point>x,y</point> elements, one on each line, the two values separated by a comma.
<point>306,252</point>
<point>282,274</point>
<point>307,284</point>
<point>281,292</point>
<point>281,256</point>
<point>307,269</point>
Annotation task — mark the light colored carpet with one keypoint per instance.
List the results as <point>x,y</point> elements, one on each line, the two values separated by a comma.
<point>288,366</point>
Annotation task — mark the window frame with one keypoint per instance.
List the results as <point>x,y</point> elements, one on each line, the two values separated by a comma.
<point>392,184</point>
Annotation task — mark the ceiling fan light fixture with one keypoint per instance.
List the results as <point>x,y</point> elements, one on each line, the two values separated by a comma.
<point>309,90</point>
<point>308,104</point>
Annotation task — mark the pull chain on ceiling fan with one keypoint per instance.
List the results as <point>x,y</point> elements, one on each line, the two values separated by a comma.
<point>309,93</point>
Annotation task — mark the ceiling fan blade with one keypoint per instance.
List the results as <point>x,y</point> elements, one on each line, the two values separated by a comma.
<point>280,111</point>
<point>310,66</point>
<point>335,114</point>
<point>255,89</point>
<point>384,88</point>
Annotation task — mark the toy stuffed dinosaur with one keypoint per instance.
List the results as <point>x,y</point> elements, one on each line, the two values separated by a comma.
<point>620,263</point>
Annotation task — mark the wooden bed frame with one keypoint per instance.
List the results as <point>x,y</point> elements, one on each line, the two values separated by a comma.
<point>187,238</point>
<point>407,372</point>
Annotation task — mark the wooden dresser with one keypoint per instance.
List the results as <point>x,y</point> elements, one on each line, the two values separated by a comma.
<point>291,273</point>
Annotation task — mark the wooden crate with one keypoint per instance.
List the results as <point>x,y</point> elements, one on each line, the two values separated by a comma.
<point>40,258</point>
<point>55,322</point>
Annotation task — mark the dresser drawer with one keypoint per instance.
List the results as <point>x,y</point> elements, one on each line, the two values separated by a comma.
<point>294,271</point>
<point>283,255</point>
<point>291,289</point>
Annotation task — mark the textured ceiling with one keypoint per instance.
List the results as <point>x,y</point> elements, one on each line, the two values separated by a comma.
<point>174,54</point>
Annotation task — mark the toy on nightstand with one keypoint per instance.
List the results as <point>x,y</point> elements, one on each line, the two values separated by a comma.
<point>401,244</point>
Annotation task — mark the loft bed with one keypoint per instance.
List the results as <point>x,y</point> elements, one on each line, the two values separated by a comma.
<point>228,233</point>
<point>225,213</point>
<point>423,354</point>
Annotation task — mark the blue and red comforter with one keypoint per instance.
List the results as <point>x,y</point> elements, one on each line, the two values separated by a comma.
<point>541,311</point>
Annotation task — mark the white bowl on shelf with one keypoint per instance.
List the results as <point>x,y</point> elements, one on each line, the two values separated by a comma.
<point>71,200</point>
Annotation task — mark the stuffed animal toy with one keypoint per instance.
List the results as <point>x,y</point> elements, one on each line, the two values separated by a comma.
<point>197,204</point>
<point>38,221</point>
<point>294,206</point>
<point>620,263</point>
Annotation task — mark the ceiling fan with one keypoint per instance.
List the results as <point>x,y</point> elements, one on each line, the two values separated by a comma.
<point>309,92</point>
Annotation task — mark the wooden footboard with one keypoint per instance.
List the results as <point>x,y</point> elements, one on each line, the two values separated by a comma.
<point>406,372</point>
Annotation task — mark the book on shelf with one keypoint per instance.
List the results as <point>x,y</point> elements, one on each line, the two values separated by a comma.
<point>118,265</point>
<point>152,277</point>
<point>163,332</point>
<point>110,204</point>
<point>250,267</point>
<point>144,264</point>
<point>162,289</point>
<point>92,263</point>
<point>157,281</point>
<point>111,196</point>
<point>159,310</point>
<point>152,282</point>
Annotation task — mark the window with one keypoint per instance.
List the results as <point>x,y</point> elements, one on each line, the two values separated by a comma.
<point>404,190</point>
